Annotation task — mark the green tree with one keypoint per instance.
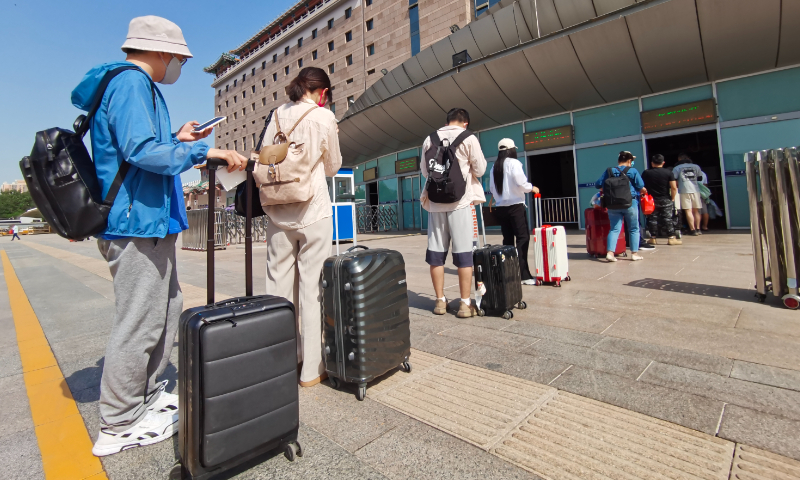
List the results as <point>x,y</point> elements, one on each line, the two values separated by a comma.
<point>13,204</point>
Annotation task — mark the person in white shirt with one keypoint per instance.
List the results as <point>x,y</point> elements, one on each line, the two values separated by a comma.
<point>508,185</point>
<point>15,231</point>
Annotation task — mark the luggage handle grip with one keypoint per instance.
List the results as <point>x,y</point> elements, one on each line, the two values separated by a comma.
<point>357,246</point>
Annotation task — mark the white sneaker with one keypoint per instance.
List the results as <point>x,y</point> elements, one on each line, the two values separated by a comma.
<point>610,257</point>
<point>166,402</point>
<point>154,428</point>
<point>529,281</point>
<point>636,257</point>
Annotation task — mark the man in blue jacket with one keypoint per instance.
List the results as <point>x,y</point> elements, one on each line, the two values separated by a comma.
<point>132,125</point>
<point>631,214</point>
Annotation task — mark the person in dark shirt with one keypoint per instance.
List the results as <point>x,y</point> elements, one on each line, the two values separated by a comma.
<point>660,183</point>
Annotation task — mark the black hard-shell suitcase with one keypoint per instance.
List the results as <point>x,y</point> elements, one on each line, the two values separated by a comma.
<point>237,376</point>
<point>496,268</point>
<point>365,316</point>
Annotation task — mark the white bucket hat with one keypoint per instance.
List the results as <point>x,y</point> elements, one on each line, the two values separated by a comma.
<point>155,34</point>
<point>505,144</point>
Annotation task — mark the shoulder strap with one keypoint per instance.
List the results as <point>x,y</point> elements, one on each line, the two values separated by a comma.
<point>624,173</point>
<point>460,138</point>
<point>101,90</point>
<point>117,183</point>
<point>299,120</point>
<point>610,172</point>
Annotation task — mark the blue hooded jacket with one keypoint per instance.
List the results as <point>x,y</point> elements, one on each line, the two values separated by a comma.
<point>127,127</point>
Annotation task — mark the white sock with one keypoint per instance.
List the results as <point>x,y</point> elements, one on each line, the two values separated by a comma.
<point>443,299</point>
<point>467,301</point>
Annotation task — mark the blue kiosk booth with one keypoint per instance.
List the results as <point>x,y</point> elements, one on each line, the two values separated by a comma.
<point>342,192</point>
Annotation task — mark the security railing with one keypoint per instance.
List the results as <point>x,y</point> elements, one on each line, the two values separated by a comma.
<point>195,237</point>
<point>234,227</point>
<point>560,210</point>
<point>376,218</point>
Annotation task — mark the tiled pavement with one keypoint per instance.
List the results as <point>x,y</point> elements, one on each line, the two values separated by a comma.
<point>677,338</point>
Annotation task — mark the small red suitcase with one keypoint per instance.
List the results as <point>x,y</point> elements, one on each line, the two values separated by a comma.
<point>597,228</point>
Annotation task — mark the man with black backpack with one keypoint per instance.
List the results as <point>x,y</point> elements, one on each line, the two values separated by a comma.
<point>453,163</point>
<point>621,187</point>
<point>136,153</point>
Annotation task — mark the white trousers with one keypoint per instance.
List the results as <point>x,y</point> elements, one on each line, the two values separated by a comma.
<point>294,267</point>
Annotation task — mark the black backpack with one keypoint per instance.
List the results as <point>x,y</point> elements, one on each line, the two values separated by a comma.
<point>445,183</point>
<point>62,178</point>
<point>617,190</point>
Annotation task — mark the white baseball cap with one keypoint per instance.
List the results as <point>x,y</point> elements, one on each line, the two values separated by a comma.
<point>155,34</point>
<point>505,144</point>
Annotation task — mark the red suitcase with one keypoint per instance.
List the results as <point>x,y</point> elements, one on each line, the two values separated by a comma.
<point>597,228</point>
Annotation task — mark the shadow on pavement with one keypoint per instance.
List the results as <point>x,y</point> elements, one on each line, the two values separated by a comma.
<point>79,378</point>
<point>746,295</point>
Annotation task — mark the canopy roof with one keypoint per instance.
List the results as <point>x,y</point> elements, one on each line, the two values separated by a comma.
<point>536,59</point>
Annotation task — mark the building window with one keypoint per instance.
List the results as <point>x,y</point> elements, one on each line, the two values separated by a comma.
<point>349,81</point>
<point>286,51</point>
<point>263,65</point>
<point>330,24</point>
<point>226,87</point>
<point>330,68</point>
<point>274,95</point>
<point>219,93</point>
<point>349,59</point>
<point>253,139</point>
<point>244,77</point>
<point>413,20</point>
<point>286,70</point>
<point>263,83</point>
<point>234,83</point>
<point>350,100</point>
<point>244,111</point>
<point>275,58</point>
<point>299,42</point>
<point>300,63</point>
<point>253,72</point>
<point>369,2</point>
<point>371,49</point>
<point>348,13</point>
<point>226,104</point>
<point>228,146</point>
<point>333,107</point>
<point>234,99</point>
<point>348,36</point>
<point>263,101</point>
<point>370,24</point>
<point>235,115</point>
<point>244,143</point>
<point>219,108</point>
<point>236,145</point>
<point>314,55</point>
<point>253,107</point>
<point>274,77</point>
<point>314,33</point>
<point>330,46</point>
<point>253,89</point>
<point>370,71</point>
<point>244,93</point>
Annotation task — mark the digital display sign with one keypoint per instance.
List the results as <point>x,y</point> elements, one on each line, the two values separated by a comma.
<point>679,116</point>
<point>406,165</point>
<point>370,174</point>
<point>552,137</point>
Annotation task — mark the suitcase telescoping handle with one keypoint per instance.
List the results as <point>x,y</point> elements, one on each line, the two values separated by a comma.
<point>212,165</point>
<point>357,246</point>
<point>537,206</point>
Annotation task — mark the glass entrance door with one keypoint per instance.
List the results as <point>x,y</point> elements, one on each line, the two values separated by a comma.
<point>412,212</point>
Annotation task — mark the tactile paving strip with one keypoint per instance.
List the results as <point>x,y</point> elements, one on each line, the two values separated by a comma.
<point>476,405</point>
<point>753,464</point>
<point>572,437</point>
<point>420,362</point>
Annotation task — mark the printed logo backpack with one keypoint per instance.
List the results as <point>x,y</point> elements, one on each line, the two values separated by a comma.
<point>617,190</point>
<point>62,178</point>
<point>446,183</point>
<point>284,169</point>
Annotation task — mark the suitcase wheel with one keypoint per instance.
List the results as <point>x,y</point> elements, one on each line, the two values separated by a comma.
<point>481,312</point>
<point>522,305</point>
<point>292,451</point>
<point>361,394</point>
<point>568,278</point>
<point>406,367</point>
<point>508,315</point>
<point>178,472</point>
<point>761,297</point>
<point>558,283</point>
<point>335,383</point>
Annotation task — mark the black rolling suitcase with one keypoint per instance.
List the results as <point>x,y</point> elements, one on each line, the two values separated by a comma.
<point>496,269</point>
<point>237,375</point>
<point>365,316</point>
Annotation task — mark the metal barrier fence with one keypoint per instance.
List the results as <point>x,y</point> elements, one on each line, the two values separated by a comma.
<point>376,218</point>
<point>194,238</point>
<point>559,210</point>
<point>234,228</point>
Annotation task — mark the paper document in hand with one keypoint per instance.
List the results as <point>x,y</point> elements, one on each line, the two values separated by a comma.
<point>230,180</point>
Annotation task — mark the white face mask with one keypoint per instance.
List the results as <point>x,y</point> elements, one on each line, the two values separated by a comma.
<point>173,71</point>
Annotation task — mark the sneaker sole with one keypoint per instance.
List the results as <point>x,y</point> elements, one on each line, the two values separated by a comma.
<point>112,449</point>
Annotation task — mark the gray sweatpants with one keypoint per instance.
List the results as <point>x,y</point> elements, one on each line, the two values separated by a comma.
<point>149,303</point>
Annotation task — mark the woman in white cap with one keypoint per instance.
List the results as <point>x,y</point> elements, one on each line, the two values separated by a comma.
<point>508,185</point>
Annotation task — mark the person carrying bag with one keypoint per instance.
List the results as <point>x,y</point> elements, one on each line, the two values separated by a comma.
<point>294,194</point>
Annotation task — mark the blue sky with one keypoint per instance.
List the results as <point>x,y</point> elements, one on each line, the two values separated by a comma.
<point>47,47</point>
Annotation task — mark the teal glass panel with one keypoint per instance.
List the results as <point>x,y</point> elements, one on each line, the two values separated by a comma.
<point>361,194</point>
<point>387,191</point>
<point>370,164</point>
<point>424,219</point>
<point>703,92</point>
<point>386,166</point>
<point>736,142</point>
<point>490,138</point>
<point>591,162</point>
<point>767,94</point>
<point>549,122</point>
<point>416,203</point>
<point>414,152</point>
<point>611,121</point>
<point>358,173</point>
<point>486,178</point>
<point>408,203</point>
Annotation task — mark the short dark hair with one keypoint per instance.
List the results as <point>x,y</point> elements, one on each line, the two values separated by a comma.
<point>624,156</point>
<point>658,159</point>
<point>308,80</point>
<point>457,115</point>
<point>683,155</point>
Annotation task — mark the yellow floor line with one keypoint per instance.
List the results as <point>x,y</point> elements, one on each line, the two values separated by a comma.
<point>64,443</point>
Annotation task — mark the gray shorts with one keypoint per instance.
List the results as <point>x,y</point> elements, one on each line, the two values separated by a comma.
<point>447,227</point>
